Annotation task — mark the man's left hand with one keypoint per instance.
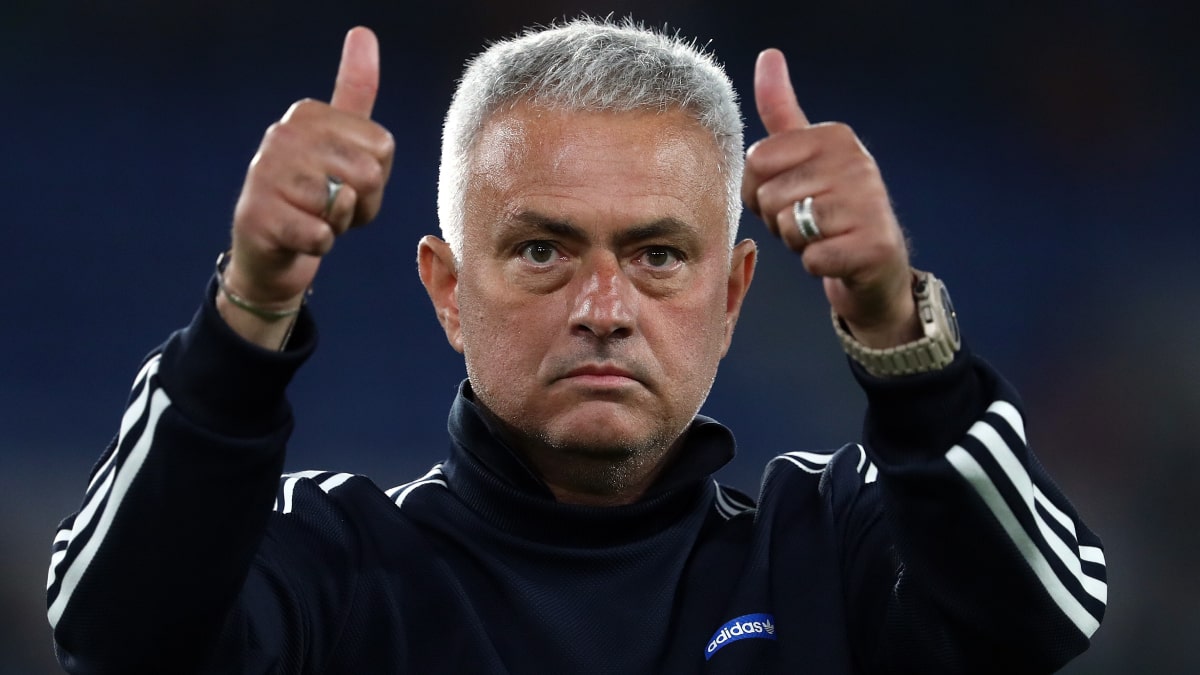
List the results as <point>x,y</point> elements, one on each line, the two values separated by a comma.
<point>861,252</point>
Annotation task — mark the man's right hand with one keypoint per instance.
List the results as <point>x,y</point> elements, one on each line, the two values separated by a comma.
<point>281,227</point>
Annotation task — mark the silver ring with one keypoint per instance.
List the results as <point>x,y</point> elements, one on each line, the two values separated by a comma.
<point>806,222</point>
<point>333,186</point>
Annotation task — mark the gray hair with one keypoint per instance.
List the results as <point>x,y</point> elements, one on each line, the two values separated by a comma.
<point>588,64</point>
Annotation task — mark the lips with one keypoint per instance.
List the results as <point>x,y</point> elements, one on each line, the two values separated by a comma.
<point>600,370</point>
<point>600,374</point>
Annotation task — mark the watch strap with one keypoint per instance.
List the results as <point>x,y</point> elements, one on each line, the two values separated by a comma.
<point>933,351</point>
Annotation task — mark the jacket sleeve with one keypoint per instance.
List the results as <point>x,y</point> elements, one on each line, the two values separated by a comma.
<point>145,576</point>
<point>986,567</point>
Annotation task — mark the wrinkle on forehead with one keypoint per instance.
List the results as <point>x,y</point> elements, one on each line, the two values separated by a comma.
<point>549,147</point>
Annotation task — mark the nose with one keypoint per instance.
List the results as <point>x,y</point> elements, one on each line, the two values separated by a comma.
<point>606,303</point>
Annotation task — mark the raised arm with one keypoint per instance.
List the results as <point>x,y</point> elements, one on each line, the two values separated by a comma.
<point>151,572</point>
<point>959,553</point>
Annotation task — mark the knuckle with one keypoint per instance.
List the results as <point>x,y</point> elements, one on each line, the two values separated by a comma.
<point>305,183</point>
<point>862,148</point>
<point>762,196</point>
<point>279,137</point>
<point>248,204</point>
<point>341,219</point>
<point>878,249</point>
<point>832,260</point>
<point>753,149</point>
<point>839,130</point>
<point>300,109</point>
<point>883,249</point>
<point>367,208</point>
<point>750,182</point>
<point>290,235</point>
<point>756,158</point>
<point>251,214</point>
<point>863,166</point>
<point>810,257</point>
<point>322,243</point>
<point>794,241</point>
<point>841,135</point>
<point>276,128</point>
<point>386,143</point>
<point>259,163</point>
<point>339,147</point>
<point>748,194</point>
<point>371,179</point>
<point>897,245</point>
<point>276,134</point>
<point>244,213</point>
<point>310,238</point>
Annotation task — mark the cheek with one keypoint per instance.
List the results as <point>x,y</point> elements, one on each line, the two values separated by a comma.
<point>690,339</point>
<point>501,338</point>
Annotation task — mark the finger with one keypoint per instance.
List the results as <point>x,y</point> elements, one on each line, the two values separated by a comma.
<point>302,232</point>
<point>847,257</point>
<point>373,179</point>
<point>859,257</point>
<point>324,197</point>
<point>307,182</point>
<point>367,207</point>
<point>340,211</point>
<point>273,226</point>
<point>789,230</point>
<point>784,189</point>
<point>786,229</point>
<point>358,73</point>
<point>363,179</point>
<point>774,155</point>
<point>773,94</point>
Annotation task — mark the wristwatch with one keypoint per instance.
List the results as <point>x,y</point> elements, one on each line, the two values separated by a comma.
<point>934,351</point>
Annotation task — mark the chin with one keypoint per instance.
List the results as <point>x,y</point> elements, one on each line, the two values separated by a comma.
<point>607,433</point>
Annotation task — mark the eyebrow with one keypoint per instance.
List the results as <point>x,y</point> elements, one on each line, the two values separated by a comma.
<point>531,220</point>
<point>665,227</point>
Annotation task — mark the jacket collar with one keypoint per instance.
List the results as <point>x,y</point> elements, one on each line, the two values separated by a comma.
<point>499,485</point>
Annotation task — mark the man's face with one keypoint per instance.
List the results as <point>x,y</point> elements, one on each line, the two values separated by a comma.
<point>595,292</point>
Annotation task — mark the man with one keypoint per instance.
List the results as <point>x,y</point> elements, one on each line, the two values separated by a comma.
<point>590,275</point>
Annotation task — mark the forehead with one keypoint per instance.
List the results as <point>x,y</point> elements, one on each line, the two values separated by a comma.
<point>634,165</point>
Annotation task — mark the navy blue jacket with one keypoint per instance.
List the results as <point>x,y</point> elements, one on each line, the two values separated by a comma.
<point>938,545</point>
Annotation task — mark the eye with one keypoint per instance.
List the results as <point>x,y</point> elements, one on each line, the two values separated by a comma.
<point>661,257</point>
<point>539,252</point>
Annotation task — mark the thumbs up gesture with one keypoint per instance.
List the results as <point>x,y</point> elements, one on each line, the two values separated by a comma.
<point>319,171</point>
<point>858,247</point>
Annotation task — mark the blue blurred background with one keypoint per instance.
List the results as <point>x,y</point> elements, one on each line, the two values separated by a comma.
<point>1040,155</point>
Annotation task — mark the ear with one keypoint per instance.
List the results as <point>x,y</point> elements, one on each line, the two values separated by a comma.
<point>741,273</point>
<point>435,264</point>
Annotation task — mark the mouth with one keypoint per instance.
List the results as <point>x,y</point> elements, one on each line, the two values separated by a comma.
<point>600,376</point>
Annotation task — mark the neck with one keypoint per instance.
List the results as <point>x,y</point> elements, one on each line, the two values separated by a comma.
<point>588,475</point>
<point>592,477</point>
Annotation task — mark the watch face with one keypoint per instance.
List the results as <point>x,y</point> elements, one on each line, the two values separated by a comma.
<point>951,317</point>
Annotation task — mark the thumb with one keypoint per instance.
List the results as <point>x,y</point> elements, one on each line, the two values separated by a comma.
<point>358,73</point>
<point>773,94</point>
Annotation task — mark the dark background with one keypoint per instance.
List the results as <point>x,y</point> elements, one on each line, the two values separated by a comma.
<point>1041,157</point>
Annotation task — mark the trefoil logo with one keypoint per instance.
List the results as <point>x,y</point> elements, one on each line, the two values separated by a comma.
<point>747,626</point>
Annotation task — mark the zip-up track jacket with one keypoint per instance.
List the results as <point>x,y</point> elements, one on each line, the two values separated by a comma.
<point>937,545</point>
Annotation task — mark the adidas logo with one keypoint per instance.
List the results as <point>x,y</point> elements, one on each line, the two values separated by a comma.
<point>747,626</point>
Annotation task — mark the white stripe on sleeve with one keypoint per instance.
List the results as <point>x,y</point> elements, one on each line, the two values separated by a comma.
<point>100,484</point>
<point>1068,552</point>
<point>111,499</point>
